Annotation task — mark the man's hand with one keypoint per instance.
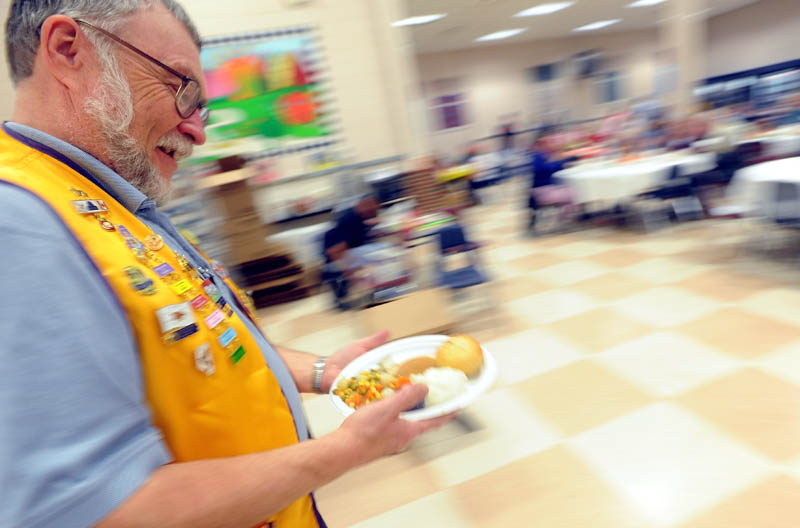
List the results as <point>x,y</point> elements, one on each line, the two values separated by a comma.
<point>336,362</point>
<point>377,430</point>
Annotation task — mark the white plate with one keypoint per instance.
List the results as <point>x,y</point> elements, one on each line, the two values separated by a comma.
<point>403,349</point>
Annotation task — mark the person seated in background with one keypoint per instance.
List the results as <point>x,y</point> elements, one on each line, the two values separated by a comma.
<point>655,136</point>
<point>682,133</point>
<point>545,162</point>
<point>353,229</point>
<point>792,114</point>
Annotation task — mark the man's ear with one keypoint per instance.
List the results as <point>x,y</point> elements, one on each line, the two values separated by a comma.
<point>64,49</point>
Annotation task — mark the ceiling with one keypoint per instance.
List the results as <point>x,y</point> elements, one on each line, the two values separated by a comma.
<point>469,19</point>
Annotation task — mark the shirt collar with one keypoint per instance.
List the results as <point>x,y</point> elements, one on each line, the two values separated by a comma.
<point>129,196</point>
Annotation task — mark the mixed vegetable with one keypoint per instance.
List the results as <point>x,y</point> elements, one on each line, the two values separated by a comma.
<point>368,386</point>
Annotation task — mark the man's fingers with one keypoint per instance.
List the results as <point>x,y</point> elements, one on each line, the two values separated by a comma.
<point>433,423</point>
<point>406,398</point>
<point>375,340</point>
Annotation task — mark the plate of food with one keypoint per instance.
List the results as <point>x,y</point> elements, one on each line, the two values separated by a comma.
<point>456,370</point>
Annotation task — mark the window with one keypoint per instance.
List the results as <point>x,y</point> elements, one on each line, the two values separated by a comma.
<point>448,111</point>
<point>447,104</point>
<point>609,87</point>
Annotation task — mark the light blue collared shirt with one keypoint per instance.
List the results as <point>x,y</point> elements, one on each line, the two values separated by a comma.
<point>76,439</point>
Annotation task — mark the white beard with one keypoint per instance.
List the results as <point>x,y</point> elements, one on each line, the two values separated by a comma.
<point>111,106</point>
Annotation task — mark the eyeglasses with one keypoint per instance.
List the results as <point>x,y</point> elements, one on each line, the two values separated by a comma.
<point>188,98</point>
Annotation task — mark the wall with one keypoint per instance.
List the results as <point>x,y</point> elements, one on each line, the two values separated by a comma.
<point>364,55</point>
<point>496,81</point>
<point>756,35</point>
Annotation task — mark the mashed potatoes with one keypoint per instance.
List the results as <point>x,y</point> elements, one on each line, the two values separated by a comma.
<point>444,383</point>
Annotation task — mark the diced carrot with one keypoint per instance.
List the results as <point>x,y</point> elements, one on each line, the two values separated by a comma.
<point>399,382</point>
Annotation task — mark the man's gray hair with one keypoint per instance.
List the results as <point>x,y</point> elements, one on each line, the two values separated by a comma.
<point>25,19</point>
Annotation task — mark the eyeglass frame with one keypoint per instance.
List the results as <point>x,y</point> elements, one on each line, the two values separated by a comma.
<point>185,79</point>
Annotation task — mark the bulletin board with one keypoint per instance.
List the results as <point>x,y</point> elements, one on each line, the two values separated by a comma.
<point>266,93</point>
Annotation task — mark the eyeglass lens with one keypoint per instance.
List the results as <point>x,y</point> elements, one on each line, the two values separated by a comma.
<point>189,99</point>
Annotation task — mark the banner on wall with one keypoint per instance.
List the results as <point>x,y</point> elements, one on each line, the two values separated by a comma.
<point>266,95</point>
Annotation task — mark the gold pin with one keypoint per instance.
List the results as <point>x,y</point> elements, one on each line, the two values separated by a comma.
<point>153,242</point>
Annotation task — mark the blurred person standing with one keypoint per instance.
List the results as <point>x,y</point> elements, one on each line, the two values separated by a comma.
<point>137,388</point>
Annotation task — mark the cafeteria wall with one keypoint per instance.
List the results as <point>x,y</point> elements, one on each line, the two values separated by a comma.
<point>755,35</point>
<point>370,67</point>
<point>495,82</point>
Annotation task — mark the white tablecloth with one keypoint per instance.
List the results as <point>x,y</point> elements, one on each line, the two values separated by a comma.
<point>777,145</point>
<point>753,188</point>
<point>614,180</point>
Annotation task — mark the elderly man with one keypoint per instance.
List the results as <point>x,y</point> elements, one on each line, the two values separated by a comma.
<point>136,387</point>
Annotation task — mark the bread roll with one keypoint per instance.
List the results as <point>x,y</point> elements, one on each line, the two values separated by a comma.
<point>461,352</point>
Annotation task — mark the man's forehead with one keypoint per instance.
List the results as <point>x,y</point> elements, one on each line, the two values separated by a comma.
<point>156,31</point>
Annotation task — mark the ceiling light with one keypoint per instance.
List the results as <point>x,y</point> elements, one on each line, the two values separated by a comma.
<point>598,25</point>
<point>497,35</point>
<point>646,3</point>
<point>544,9</point>
<point>418,20</point>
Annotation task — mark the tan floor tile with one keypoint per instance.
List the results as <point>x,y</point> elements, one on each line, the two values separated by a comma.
<point>755,408</point>
<point>488,326</point>
<point>781,303</point>
<point>741,333</point>
<point>326,342</point>
<point>619,257</point>
<point>496,430</point>
<point>537,261</point>
<point>507,252</point>
<point>375,488</point>
<point>667,363</point>
<point>530,353</point>
<point>772,504</point>
<point>666,306</point>
<point>668,463</point>
<point>726,286</point>
<point>513,288</point>
<point>665,270</point>
<point>784,362</point>
<point>707,255</point>
<point>315,322</point>
<point>553,241</point>
<point>440,509</point>
<point>569,272</point>
<point>666,245</point>
<point>550,306</point>
<point>580,396</point>
<point>599,329</point>
<point>581,248</point>
<point>552,488</point>
<point>612,286</point>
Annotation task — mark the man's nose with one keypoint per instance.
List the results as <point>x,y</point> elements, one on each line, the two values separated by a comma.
<point>192,126</point>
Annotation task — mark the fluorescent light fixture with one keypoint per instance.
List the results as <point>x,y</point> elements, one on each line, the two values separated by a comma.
<point>497,35</point>
<point>598,25</point>
<point>544,9</point>
<point>646,3</point>
<point>418,20</point>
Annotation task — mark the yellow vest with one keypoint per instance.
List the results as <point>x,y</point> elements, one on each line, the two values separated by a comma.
<point>208,386</point>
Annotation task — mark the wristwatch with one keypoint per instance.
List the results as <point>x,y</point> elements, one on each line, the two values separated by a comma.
<point>316,382</point>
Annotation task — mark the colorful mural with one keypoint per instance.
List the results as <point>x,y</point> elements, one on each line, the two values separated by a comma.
<point>264,88</point>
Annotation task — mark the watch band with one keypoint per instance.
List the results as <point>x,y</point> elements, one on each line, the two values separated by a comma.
<point>316,382</point>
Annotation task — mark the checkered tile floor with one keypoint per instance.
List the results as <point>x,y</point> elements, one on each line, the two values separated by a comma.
<point>644,380</point>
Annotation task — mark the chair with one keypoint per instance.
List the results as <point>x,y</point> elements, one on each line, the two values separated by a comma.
<point>452,241</point>
<point>785,209</point>
<point>679,192</point>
